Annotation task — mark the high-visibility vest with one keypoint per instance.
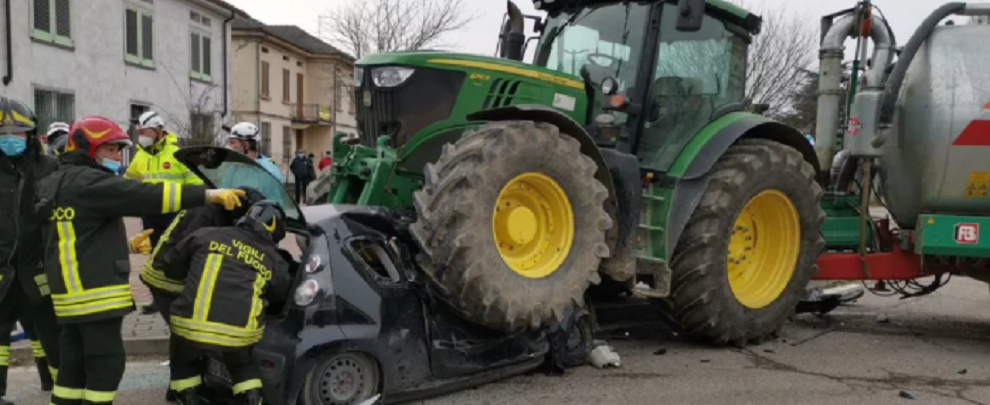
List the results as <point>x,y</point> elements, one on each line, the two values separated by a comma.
<point>160,165</point>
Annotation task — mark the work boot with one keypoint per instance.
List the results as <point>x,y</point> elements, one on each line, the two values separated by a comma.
<point>44,374</point>
<point>249,397</point>
<point>187,397</point>
<point>170,395</point>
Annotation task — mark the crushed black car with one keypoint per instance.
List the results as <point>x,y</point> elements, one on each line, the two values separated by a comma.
<point>361,322</point>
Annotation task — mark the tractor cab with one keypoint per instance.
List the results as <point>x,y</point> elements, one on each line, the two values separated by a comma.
<point>650,89</point>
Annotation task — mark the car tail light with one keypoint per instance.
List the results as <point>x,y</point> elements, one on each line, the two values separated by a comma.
<point>306,292</point>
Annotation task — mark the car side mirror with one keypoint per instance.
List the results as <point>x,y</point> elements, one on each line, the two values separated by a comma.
<point>690,14</point>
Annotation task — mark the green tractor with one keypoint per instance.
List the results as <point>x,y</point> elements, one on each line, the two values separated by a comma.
<point>621,162</point>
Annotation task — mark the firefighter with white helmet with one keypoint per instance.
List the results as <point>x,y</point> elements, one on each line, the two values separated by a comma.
<point>56,138</point>
<point>246,139</point>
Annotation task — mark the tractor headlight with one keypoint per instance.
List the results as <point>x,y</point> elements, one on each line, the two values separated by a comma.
<point>390,76</point>
<point>358,76</point>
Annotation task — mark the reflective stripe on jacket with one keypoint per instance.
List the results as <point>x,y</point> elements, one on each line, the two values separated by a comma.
<point>158,164</point>
<point>21,229</point>
<point>184,224</point>
<point>86,251</point>
<point>231,273</point>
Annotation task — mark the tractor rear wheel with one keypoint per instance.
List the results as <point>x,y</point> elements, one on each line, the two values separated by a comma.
<point>512,224</point>
<point>749,249</point>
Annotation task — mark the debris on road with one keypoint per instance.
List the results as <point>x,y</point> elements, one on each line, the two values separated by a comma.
<point>963,371</point>
<point>882,318</point>
<point>905,395</point>
<point>660,352</point>
<point>604,356</point>
<point>771,351</point>
<point>706,361</point>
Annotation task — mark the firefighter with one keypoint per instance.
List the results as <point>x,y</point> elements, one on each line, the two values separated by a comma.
<point>38,352</point>
<point>86,253</point>
<point>165,290</point>
<point>231,274</point>
<point>24,289</point>
<point>246,139</point>
<point>155,163</point>
<point>56,138</point>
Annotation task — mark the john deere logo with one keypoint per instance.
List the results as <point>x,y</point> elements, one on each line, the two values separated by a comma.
<point>367,99</point>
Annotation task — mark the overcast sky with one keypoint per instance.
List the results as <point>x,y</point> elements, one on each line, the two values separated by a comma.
<point>481,36</point>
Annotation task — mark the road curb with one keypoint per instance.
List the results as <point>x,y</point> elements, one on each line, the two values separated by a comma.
<point>133,347</point>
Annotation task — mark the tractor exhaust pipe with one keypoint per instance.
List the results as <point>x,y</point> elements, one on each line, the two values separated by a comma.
<point>513,36</point>
<point>830,93</point>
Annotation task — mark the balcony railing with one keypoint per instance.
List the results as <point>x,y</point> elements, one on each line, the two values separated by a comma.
<point>311,113</point>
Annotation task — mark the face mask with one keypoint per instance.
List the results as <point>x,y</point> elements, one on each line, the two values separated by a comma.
<point>113,165</point>
<point>12,145</point>
<point>145,141</point>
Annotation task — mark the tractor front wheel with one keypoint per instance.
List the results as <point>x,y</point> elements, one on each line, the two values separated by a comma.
<point>743,261</point>
<point>512,224</point>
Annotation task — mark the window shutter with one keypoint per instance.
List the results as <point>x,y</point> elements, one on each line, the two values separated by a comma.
<point>132,34</point>
<point>285,84</point>
<point>207,69</point>
<point>42,15</point>
<point>194,43</point>
<point>265,86</point>
<point>147,37</point>
<point>63,25</point>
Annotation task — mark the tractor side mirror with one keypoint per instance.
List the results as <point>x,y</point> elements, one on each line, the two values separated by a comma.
<point>690,14</point>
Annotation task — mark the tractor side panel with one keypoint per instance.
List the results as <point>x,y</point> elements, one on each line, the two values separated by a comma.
<point>628,189</point>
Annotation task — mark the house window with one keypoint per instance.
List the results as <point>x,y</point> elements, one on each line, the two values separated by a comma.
<point>201,49</point>
<point>52,21</point>
<point>139,44</point>
<point>286,144</point>
<point>350,102</point>
<point>202,128</point>
<point>53,106</point>
<point>338,93</point>
<point>265,82</point>
<point>266,138</point>
<point>286,90</point>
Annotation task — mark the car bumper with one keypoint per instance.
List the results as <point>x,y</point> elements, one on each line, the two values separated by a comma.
<point>275,357</point>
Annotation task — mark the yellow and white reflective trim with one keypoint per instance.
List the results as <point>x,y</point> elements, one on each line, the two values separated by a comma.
<point>67,393</point>
<point>158,279</point>
<point>93,301</point>
<point>42,281</point>
<point>163,176</point>
<point>4,356</point>
<point>186,383</point>
<point>204,294</point>
<point>251,384</point>
<point>36,350</point>
<point>54,372</point>
<point>99,396</point>
<point>172,198</point>
<point>256,304</point>
<point>215,333</point>
<point>67,256</point>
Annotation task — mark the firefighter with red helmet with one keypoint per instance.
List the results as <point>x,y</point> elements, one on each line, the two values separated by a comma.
<point>86,253</point>
<point>23,285</point>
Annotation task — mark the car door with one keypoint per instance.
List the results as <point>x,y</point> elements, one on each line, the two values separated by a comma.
<point>224,168</point>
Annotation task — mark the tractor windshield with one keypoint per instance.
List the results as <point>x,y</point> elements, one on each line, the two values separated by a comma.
<point>596,42</point>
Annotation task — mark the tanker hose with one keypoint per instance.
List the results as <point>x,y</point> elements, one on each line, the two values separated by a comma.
<point>864,214</point>
<point>896,79</point>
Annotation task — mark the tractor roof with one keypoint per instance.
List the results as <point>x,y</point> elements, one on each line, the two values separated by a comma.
<point>724,9</point>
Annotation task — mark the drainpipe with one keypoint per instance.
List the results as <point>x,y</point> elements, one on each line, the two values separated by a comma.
<point>830,94</point>
<point>226,81</point>
<point>10,46</point>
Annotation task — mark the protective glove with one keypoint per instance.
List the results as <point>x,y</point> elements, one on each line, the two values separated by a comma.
<point>141,243</point>
<point>229,198</point>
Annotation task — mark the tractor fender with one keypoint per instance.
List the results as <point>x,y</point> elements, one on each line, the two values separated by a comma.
<point>567,125</point>
<point>700,155</point>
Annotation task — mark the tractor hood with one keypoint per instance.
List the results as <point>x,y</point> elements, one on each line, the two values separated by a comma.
<point>467,62</point>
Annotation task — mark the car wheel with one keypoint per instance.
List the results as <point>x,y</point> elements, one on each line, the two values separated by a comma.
<point>578,344</point>
<point>345,378</point>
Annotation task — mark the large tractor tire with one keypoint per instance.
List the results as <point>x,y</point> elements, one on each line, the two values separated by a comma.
<point>512,225</point>
<point>749,249</point>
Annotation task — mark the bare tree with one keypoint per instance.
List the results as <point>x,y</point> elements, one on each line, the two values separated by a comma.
<point>365,27</point>
<point>779,58</point>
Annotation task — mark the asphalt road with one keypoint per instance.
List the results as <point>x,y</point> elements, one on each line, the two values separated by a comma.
<point>932,350</point>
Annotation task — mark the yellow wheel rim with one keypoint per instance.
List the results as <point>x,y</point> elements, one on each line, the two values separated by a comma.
<point>533,224</point>
<point>766,241</point>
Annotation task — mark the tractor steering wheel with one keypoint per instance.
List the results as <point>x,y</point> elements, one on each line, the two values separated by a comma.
<point>593,59</point>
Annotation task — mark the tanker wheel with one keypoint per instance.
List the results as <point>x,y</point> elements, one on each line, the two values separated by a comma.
<point>749,249</point>
<point>512,225</point>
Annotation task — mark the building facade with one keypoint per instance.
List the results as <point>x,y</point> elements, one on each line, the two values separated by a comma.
<point>295,87</point>
<point>119,58</point>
